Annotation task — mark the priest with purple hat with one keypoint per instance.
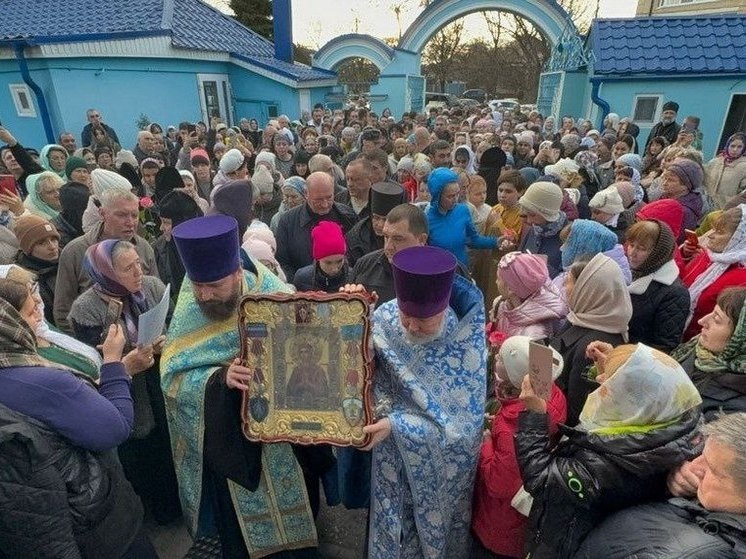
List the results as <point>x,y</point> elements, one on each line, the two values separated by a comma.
<point>226,483</point>
<point>430,387</point>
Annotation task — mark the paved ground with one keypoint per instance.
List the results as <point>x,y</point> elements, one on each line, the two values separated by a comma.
<point>341,535</point>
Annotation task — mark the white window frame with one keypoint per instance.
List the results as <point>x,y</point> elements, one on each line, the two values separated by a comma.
<point>18,89</point>
<point>658,106</point>
<point>225,96</point>
<point>673,3</point>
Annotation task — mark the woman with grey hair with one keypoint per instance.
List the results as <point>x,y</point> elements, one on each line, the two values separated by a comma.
<point>712,525</point>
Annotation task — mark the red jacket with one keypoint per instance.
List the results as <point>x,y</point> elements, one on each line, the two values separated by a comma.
<point>500,527</point>
<point>735,275</point>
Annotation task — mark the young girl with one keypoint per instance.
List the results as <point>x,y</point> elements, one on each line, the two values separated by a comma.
<point>503,221</point>
<point>641,421</point>
<point>499,484</point>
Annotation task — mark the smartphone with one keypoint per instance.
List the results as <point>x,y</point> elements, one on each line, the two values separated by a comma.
<point>691,237</point>
<point>8,184</point>
<point>540,362</point>
<point>113,312</point>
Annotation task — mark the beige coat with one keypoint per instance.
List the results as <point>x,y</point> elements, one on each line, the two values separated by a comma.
<point>722,181</point>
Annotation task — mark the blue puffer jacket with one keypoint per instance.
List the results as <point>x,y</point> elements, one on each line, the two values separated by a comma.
<point>453,230</point>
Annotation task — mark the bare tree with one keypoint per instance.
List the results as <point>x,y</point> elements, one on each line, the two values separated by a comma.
<point>441,49</point>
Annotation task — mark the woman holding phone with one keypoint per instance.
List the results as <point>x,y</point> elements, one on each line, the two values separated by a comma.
<point>121,292</point>
<point>64,492</point>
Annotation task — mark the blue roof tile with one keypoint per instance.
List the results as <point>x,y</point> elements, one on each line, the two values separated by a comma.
<point>676,45</point>
<point>190,24</point>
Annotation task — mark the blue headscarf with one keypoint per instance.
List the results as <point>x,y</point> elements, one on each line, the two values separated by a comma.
<point>587,238</point>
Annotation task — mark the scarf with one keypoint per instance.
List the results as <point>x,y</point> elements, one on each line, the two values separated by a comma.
<point>34,202</point>
<point>648,391</point>
<point>732,359</point>
<point>600,300</point>
<point>17,341</point>
<point>44,158</point>
<point>734,253</point>
<point>661,252</point>
<point>551,228</point>
<point>587,238</point>
<point>725,153</point>
<point>99,266</point>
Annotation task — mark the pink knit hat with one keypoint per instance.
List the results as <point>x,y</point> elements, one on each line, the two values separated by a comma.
<point>523,274</point>
<point>328,240</point>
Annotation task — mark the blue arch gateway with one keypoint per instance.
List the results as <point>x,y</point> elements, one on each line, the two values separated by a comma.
<point>401,86</point>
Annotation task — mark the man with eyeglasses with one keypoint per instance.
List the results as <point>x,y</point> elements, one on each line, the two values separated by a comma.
<point>294,226</point>
<point>94,118</point>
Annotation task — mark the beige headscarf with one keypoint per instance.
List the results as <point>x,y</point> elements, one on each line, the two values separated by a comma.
<point>600,299</point>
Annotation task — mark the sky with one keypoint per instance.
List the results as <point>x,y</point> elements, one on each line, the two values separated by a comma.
<point>315,22</point>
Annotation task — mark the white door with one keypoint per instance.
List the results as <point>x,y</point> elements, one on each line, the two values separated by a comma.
<point>215,97</point>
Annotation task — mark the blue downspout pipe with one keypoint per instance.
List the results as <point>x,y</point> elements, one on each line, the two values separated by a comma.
<point>43,109</point>
<point>603,105</point>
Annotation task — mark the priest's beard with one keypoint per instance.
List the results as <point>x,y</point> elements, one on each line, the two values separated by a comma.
<point>221,310</point>
<point>422,339</point>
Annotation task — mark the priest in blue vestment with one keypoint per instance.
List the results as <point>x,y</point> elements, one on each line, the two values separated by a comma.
<point>429,389</point>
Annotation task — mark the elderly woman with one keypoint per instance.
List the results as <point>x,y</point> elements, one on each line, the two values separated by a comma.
<point>709,524</point>
<point>64,493</point>
<point>53,158</point>
<point>640,421</point>
<point>725,175</point>
<point>450,222</point>
<point>52,345</point>
<point>293,194</point>
<point>660,302</point>
<point>544,221</point>
<point>720,263</point>
<point>114,266</point>
<point>681,181</point>
<point>607,208</point>
<point>600,309</point>
<point>44,194</point>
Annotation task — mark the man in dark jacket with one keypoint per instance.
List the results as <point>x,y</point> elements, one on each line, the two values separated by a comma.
<point>294,226</point>
<point>367,234</point>
<point>712,525</point>
<point>667,127</point>
<point>94,118</point>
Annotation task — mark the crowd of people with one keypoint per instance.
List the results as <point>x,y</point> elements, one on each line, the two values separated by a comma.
<point>477,233</point>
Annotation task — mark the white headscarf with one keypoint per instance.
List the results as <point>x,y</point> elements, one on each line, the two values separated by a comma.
<point>733,253</point>
<point>650,389</point>
<point>45,332</point>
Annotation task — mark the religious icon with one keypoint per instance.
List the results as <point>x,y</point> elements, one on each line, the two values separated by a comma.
<point>312,367</point>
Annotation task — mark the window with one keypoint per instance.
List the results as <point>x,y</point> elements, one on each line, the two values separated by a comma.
<point>215,98</point>
<point>272,111</point>
<point>645,109</point>
<point>22,99</point>
<point>669,3</point>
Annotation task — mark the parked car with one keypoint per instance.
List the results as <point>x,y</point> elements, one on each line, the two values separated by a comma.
<point>439,100</point>
<point>467,103</point>
<point>479,95</point>
<point>504,104</point>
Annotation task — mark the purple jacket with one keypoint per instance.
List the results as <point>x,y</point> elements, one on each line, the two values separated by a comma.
<point>537,317</point>
<point>692,204</point>
<point>94,420</point>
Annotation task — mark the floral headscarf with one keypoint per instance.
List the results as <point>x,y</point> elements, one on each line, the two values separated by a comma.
<point>725,153</point>
<point>99,265</point>
<point>650,390</point>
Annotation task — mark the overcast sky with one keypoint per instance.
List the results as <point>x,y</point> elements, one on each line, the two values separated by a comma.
<point>317,21</point>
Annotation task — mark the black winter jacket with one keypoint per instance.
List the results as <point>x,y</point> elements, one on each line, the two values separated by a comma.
<point>571,343</point>
<point>721,392</point>
<point>294,248</point>
<point>58,500</point>
<point>362,240</point>
<point>312,278</point>
<point>659,315</point>
<point>588,476</point>
<point>676,528</point>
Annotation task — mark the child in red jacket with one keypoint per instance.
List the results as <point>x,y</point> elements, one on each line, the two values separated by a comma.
<point>496,522</point>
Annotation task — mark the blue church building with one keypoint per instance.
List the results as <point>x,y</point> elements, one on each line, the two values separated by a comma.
<point>170,60</point>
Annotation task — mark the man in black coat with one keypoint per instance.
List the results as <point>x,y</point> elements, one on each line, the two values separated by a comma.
<point>367,234</point>
<point>294,226</point>
<point>94,119</point>
<point>667,127</point>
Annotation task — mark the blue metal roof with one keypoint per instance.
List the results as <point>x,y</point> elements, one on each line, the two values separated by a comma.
<point>191,24</point>
<point>675,45</point>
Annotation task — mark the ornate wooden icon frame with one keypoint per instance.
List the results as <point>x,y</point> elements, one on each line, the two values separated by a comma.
<point>312,366</point>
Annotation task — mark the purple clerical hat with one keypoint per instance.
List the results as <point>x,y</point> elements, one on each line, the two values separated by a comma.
<point>423,278</point>
<point>208,247</point>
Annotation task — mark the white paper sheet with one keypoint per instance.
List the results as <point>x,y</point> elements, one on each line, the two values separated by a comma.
<point>151,323</point>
